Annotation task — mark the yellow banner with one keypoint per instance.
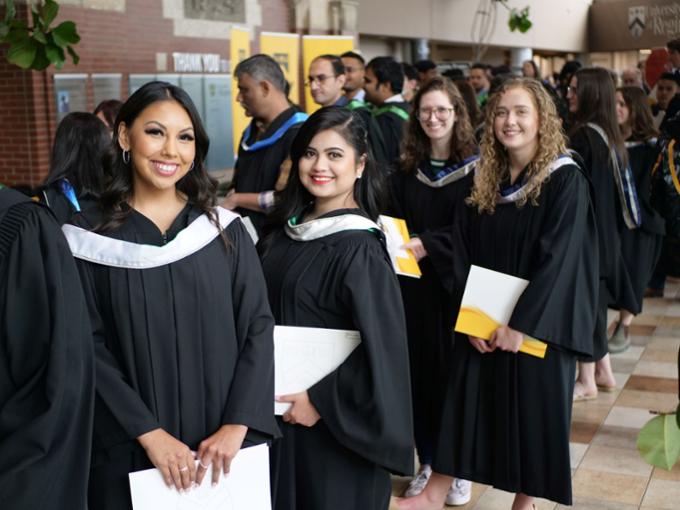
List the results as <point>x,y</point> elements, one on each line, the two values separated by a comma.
<point>240,50</point>
<point>285,49</point>
<point>315,45</point>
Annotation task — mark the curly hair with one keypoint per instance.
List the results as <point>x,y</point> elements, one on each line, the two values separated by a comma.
<point>640,117</point>
<point>495,164</point>
<point>417,145</point>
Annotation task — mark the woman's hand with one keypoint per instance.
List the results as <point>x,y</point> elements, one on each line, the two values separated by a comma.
<point>230,201</point>
<point>483,346</point>
<point>302,412</point>
<point>507,339</point>
<point>172,457</point>
<point>416,247</point>
<point>219,450</point>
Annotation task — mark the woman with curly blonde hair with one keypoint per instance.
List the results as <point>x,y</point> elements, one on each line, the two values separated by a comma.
<point>437,164</point>
<point>506,415</point>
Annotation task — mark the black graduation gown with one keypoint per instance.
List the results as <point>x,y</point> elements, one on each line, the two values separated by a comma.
<point>343,281</point>
<point>375,137</point>
<point>430,314</point>
<point>506,418</point>
<point>61,206</point>
<point>614,281</point>
<point>186,347</point>
<point>641,247</point>
<point>46,364</point>
<point>393,127</point>
<point>257,170</point>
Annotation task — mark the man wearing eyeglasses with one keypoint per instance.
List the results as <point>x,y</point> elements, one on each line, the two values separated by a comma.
<point>326,80</point>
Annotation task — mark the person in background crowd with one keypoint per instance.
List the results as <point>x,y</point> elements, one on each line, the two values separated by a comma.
<point>263,164</point>
<point>673,47</point>
<point>435,176</point>
<point>479,79</point>
<point>632,77</point>
<point>46,359</point>
<point>410,82</point>
<point>427,70</point>
<point>107,111</point>
<point>666,89</point>
<point>326,266</point>
<point>384,81</point>
<point>354,75</point>
<point>326,80</point>
<point>507,415</point>
<point>530,70</point>
<point>76,176</point>
<point>597,138</point>
<point>471,105</point>
<point>640,247</point>
<point>182,330</point>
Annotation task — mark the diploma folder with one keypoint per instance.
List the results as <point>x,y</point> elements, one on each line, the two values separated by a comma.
<point>396,235</point>
<point>245,488</point>
<point>488,302</point>
<point>304,356</point>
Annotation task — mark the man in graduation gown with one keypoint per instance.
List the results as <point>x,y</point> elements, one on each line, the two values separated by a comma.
<point>355,70</point>
<point>262,165</point>
<point>46,366</point>
<point>383,83</point>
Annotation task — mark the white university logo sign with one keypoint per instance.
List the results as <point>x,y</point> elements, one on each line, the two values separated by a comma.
<point>636,20</point>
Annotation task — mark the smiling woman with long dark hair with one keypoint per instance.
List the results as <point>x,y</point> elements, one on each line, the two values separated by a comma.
<point>182,330</point>
<point>326,266</point>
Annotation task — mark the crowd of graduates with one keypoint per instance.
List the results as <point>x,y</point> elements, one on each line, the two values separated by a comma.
<point>140,333</point>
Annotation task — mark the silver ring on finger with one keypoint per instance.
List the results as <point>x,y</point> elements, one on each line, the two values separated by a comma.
<point>183,469</point>
<point>204,466</point>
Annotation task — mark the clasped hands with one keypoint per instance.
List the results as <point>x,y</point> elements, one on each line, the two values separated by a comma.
<point>177,463</point>
<point>504,338</point>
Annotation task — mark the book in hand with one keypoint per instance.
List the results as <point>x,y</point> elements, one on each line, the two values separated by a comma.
<point>396,235</point>
<point>304,356</point>
<point>488,302</point>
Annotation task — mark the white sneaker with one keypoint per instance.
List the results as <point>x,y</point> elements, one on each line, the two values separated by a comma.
<point>459,493</point>
<point>417,485</point>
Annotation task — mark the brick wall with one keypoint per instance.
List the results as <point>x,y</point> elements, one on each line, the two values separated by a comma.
<point>111,42</point>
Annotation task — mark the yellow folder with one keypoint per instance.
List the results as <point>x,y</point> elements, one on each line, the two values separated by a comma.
<point>490,294</point>
<point>396,234</point>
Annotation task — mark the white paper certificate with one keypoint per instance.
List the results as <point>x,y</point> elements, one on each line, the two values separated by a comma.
<point>304,356</point>
<point>245,488</point>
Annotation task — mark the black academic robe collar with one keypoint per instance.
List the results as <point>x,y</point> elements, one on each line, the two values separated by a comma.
<point>513,193</point>
<point>449,174</point>
<point>93,247</point>
<point>333,222</point>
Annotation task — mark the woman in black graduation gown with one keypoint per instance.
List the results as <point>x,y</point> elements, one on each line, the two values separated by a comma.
<point>640,247</point>
<point>76,176</point>
<point>436,171</point>
<point>597,139</point>
<point>46,364</point>
<point>182,329</point>
<point>506,416</point>
<point>326,266</point>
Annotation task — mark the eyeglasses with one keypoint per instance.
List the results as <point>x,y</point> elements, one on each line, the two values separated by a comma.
<point>440,113</point>
<point>318,79</point>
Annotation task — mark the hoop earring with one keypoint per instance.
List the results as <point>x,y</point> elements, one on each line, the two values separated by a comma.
<point>192,166</point>
<point>126,157</point>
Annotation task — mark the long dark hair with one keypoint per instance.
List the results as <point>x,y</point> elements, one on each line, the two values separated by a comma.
<point>597,104</point>
<point>368,191</point>
<point>640,117</point>
<point>79,144</point>
<point>197,185</point>
<point>417,145</point>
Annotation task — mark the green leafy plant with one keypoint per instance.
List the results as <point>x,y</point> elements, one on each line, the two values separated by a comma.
<point>659,440</point>
<point>519,19</point>
<point>39,45</point>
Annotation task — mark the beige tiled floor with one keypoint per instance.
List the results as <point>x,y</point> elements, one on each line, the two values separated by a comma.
<point>608,472</point>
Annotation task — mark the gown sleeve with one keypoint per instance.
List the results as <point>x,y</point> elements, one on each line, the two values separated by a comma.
<point>116,398</point>
<point>251,396</point>
<point>46,366</point>
<point>558,306</point>
<point>366,401</point>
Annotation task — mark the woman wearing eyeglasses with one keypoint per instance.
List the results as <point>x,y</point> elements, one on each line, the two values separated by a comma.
<point>437,165</point>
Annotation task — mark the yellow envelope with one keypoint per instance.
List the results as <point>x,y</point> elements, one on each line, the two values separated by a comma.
<point>488,301</point>
<point>396,234</point>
